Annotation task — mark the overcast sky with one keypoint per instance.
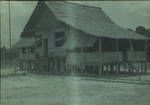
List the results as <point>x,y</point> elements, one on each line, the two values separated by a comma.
<point>128,14</point>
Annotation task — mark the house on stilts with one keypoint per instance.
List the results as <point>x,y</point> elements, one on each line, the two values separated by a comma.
<point>68,38</point>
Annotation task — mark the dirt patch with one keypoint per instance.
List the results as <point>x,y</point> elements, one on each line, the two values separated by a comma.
<point>67,90</point>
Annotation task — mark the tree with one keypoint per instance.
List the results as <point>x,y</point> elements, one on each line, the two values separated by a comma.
<point>148,32</point>
<point>140,30</point>
<point>143,31</point>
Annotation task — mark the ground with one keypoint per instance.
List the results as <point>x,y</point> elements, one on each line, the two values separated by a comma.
<point>34,89</point>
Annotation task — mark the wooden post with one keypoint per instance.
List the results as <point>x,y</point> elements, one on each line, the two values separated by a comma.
<point>55,65</point>
<point>130,69</point>
<point>48,66</point>
<point>71,69</point>
<point>100,69</point>
<point>127,69</point>
<point>80,71</point>
<point>100,44</point>
<point>145,67</point>
<point>131,46</point>
<point>146,45</point>
<point>52,65</point>
<point>111,68</point>
<point>137,68</point>
<point>20,65</point>
<point>117,47</point>
<point>141,67</point>
<point>30,66</point>
<point>63,65</point>
<point>66,68</point>
<point>107,68</point>
<point>60,65</point>
<point>117,68</point>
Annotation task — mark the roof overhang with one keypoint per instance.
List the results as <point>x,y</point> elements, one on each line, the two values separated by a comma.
<point>25,42</point>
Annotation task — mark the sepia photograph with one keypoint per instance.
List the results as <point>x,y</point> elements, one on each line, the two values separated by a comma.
<point>75,52</point>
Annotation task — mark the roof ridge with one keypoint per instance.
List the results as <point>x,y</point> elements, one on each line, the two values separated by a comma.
<point>83,5</point>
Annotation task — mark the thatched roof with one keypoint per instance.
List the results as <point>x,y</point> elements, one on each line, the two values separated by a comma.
<point>91,20</point>
<point>78,39</point>
<point>28,33</point>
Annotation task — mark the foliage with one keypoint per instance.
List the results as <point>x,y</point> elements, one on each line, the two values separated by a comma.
<point>143,31</point>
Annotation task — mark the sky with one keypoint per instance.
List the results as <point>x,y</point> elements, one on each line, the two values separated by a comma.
<point>128,14</point>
